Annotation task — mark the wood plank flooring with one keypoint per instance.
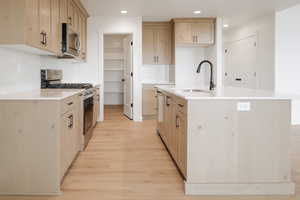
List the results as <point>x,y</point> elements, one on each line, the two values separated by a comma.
<point>127,161</point>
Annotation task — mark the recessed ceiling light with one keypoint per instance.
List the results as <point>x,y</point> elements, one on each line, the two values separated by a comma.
<point>124,12</point>
<point>197,12</point>
<point>225,25</point>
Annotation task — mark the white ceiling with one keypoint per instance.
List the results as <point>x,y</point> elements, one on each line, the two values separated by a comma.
<point>233,11</point>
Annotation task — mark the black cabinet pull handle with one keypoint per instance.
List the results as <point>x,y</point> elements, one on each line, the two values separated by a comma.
<point>71,103</point>
<point>71,121</point>
<point>46,39</point>
<point>43,42</point>
<point>177,122</point>
<point>167,101</point>
<point>238,79</point>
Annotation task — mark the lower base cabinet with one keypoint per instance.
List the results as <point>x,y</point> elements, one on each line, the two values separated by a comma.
<point>173,128</point>
<point>40,140</point>
<point>96,112</point>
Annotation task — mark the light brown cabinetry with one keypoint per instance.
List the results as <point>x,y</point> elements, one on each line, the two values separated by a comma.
<point>71,130</point>
<point>32,23</point>
<point>35,25</point>
<point>43,137</point>
<point>157,43</point>
<point>149,101</point>
<point>199,32</point>
<point>181,136</point>
<point>173,128</point>
<point>82,26</point>
<point>96,106</point>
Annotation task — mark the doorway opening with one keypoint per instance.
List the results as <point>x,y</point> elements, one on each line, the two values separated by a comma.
<point>118,75</point>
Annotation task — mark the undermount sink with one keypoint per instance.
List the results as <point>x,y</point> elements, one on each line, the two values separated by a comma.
<point>195,91</point>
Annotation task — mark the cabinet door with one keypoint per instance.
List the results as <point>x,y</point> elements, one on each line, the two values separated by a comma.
<point>76,19</point>
<point>160,113</point>
<point>149,101</point>
<point>84,38</point>
<point>166,121</point>
<point>172,129</point>
<point>203,32</point>
<point>54,37</point>
<point>181,140</point>
<point>82,32</point>
<point>45,22</point>
<point>183,33</point>
<point>63,10</point>
<point>71,11</point>
<point>163,44</point>
<point>33,34</point>
<point>149,47</point>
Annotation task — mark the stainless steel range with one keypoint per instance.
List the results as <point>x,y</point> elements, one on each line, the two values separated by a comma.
<point>51,79</point>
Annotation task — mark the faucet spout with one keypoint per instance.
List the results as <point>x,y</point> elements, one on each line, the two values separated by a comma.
<point>211,82</point>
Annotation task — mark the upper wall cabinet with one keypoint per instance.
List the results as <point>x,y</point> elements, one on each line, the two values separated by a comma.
<point>198,32</point>
<point>157,43</point>
<point>35,25</point>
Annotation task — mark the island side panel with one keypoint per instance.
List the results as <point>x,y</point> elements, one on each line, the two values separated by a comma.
<point>29,149</point>
<point>230,146</point>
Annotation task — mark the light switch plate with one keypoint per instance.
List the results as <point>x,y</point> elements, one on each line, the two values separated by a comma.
<point>244,106</point>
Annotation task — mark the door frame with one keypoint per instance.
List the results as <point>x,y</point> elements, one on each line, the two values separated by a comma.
<point>102,71</point>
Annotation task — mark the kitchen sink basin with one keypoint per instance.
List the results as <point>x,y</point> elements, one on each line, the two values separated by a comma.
<point>195,91</point>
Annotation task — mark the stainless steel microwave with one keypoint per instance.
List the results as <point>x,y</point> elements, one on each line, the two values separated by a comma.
<point>70,42</point>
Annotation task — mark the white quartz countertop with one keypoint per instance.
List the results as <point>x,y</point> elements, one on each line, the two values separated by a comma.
<point>42,94</point>
<point>158,83</point>
<point>227,93</point>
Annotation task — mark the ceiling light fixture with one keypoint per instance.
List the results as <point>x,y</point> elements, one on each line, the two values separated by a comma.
<point>124,12</point>
<point>225,25</point>
<point>197,12</point>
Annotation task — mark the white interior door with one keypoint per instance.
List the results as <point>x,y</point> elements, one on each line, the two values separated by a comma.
<point>128,77</point>
<point>240,63</point>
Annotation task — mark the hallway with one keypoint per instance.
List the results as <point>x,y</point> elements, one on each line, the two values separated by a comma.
<point>127,161</point>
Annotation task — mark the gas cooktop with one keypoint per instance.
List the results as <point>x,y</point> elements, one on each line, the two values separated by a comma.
<point>71,86</point>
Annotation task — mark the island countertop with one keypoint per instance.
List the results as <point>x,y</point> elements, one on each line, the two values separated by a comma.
<point>226,93</point>
<point>41,94</point>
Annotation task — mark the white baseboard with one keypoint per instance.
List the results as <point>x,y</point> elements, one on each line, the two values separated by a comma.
<point>240,189</point>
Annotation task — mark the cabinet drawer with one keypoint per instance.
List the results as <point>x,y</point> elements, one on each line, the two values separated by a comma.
<point>68,104</point>
<point>181,105</point>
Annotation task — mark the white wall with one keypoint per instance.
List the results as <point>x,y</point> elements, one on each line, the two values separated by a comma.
<point>264,28</point>
<point>92,71</point>
<point>187,60</point>
<point>19,71</point>
<point>287,73</point>
<point>157,73</point>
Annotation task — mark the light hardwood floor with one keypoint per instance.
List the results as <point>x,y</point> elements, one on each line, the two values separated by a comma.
<point>127,161</point>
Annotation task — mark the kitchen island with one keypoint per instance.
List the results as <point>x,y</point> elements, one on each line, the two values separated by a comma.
<point>231,141</point>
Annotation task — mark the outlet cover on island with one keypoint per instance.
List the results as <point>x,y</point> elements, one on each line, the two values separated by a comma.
<point>244,106</point>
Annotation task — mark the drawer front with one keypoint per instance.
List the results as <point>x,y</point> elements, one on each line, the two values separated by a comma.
<point>181,105</point>
<point>68,104</point>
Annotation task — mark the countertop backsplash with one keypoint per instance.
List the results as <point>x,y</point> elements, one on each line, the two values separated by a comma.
<point>19,71</point>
